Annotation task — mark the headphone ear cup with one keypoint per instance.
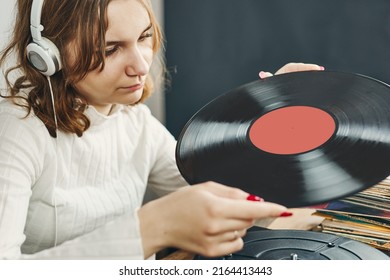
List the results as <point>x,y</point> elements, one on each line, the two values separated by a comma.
<point>44,56</point>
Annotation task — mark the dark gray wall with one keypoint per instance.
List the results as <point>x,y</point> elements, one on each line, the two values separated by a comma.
<point>217,45</point>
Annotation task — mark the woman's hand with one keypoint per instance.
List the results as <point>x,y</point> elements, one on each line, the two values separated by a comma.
<point>292,67</point>
<point>208,219</point>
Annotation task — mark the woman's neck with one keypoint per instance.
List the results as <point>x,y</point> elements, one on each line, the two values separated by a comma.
<point>104,109</point>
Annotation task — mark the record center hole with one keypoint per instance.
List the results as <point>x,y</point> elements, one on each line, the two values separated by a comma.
<point>292,130</point>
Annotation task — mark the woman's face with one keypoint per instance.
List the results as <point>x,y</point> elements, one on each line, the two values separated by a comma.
<point>129,54</point>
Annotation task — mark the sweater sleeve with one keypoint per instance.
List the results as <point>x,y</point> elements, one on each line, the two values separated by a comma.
<point>118,239</point>
<point>22,153</point>
<point>165,176</point>
<point>20,163</point>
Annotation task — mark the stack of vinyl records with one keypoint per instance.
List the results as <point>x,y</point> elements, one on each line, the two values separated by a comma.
<point>364,217</point>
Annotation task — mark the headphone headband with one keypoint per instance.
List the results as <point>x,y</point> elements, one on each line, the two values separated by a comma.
<point>35,20</point>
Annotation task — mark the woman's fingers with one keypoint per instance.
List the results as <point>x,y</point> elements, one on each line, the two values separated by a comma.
<point>227,225</point>
<point>228,236</point>
<point>218,249</point>
<point>297,67</point>
<point>223,191</point>
<point>244,210</point>
<point>292,67</point>
<point>233,203</point>
<point>263,74</point>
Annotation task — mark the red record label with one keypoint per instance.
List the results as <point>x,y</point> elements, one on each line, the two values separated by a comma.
<point>292,130</point>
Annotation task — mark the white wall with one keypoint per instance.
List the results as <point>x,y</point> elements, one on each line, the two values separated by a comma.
<point>156,102</point>
<point>7,17</point>
<point>6,20</point>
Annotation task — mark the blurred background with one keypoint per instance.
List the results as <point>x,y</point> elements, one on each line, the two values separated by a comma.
<point>214,46</point>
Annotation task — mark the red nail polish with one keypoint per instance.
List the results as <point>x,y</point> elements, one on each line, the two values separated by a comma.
<point>286,214</point>
<point>253,197</point>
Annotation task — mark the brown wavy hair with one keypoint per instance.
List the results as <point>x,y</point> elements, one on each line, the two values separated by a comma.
<point>82,23</point>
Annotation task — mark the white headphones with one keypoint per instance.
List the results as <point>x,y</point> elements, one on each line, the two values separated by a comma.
<point>41,52</point>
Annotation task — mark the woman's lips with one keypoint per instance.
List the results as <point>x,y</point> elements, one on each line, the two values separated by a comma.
<point>133,87</point>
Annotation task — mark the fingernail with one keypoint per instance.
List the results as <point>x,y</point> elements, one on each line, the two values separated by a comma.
<point>322,68</point>
<point>261,74</point>
<point>286,214</point>
<point>253,197</point>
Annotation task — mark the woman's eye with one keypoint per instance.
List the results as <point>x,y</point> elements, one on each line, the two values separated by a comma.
<point>145,36</point>
<point>111,51</point>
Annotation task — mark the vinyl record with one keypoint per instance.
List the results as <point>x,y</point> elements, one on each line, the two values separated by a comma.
<point>301,245</point>
<point>297,139</point>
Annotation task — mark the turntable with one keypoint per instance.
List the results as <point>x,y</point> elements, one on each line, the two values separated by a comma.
<point>314,136</point>
<point>263,244</point>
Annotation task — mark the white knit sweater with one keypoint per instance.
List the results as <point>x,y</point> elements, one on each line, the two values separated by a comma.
<point>82,191</point>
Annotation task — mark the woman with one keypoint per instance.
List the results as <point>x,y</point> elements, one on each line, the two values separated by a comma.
<point>76,161</point>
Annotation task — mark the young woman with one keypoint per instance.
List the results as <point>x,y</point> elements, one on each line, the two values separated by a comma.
<point>76,161</point>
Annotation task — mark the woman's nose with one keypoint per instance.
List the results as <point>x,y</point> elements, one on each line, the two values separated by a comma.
<point>138,62</point>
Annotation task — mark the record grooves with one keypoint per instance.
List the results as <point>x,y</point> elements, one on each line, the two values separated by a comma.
<point>339,142</point>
